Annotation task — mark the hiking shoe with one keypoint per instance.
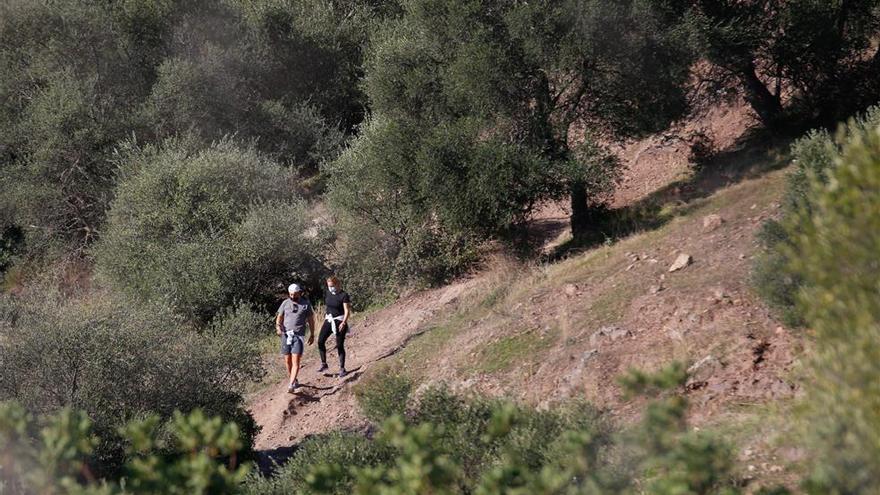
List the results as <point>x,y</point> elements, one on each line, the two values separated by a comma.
<point>342,373</point>
<point>293,386</point>
<point>323,367</point>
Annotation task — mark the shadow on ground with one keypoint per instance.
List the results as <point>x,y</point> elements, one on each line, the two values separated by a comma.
<point>268,461</point>
<point>753,156</point>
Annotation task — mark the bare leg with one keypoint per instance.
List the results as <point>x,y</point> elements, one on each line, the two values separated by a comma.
<point>293,366</point>
<point>289,363</point>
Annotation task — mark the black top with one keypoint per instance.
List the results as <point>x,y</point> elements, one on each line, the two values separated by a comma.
<point>334,302</point>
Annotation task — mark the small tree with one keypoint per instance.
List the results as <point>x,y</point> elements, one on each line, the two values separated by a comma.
<point>118,359</point>
<point>481,109</point>
<point>188,460</point>
<point>818,55</point>
<point>837,247</point>
<point>203,229</point>
<point>814,156</point>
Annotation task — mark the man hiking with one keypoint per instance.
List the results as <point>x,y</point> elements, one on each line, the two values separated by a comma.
<point>335,323</point>
<point>293,315</point>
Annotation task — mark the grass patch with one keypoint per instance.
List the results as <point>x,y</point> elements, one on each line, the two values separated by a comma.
<point>507,351</point>
<point>611,305</point>
<point>495,296</point>
<point>425,348</point>
<point>383,396</point>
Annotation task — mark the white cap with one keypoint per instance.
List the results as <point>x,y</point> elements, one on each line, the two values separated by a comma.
<point>294,288</point>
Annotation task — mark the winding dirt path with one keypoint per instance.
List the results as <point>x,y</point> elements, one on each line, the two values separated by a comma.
<point>325,402</point>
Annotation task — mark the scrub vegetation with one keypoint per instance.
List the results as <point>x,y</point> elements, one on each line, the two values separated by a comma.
<point>167,167</point>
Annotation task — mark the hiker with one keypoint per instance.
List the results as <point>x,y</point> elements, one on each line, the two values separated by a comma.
<point>338,311</point>
<point>293,315</point>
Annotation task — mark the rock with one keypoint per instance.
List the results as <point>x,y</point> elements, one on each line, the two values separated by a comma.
<point>712,222</point>
<point>682,261</point>
<point>570,290</point>
<point>655,288</point>
<point>675,333</point>
<point>611,332</point>
<point>702,370</point>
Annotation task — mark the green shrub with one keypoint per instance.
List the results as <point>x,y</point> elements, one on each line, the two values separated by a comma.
<point>384,397</point>
<point>212,97</point>
<point>118,359</point>
<point>11,240</point>
<point>450,444</point>
<point>68,90</point>
<point>389,230</point>
<point>815,157</point>
<point>475,433</point>
<point>335,453</point>
<point>835,250</point>
<point>205,228</point>
<point>54,460</point>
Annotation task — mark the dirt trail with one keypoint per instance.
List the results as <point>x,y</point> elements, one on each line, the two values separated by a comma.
<point>326,402</point>
<point>644,315</point>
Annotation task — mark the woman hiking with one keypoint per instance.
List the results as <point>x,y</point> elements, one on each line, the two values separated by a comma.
<point>338,305</point>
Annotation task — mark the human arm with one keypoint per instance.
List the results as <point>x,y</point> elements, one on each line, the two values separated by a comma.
<point>347,307</point>
<point>279,322</point>
<point>311,327</point>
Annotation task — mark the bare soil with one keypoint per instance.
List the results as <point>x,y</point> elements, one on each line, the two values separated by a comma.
<point>544,334</point>
<point>325,402</point>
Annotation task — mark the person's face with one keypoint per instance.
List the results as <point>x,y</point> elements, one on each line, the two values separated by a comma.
<point>295,295</point>
<point>330,285</point>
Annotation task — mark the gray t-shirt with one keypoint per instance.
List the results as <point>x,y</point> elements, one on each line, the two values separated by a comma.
<point>296,314</point>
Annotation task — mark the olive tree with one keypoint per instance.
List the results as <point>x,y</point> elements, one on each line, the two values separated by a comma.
<point>204,228</point>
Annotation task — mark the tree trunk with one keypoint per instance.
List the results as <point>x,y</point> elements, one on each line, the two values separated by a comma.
<point>580,210</point>
<point>767,105</point>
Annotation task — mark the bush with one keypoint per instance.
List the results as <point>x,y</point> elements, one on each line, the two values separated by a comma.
<point>81,69</point>
<point>387,226</point>
<point>54,461</point>
<point>449,444</point>
<point>118,359</point>
<point>384,397</point>
<point>835,251</point>
<point>212,97</point>
<point>467,433</point>
<point>815,157</point>
<point>205,228</point>
<point>323,462</point>
<point>11,239</point>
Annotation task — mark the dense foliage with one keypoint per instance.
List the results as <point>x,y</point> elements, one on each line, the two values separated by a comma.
<point>800,60</point>
<point>118,360</point>
<point>815,156</point>
<point>77,77</point>
<point>48,455</point>
<point>185,160</point>
<point>483,109</point>
<point>205,227</point>
<point>837,242</point>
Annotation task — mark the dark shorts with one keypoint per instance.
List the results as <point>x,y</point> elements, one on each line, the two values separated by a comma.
<point>296,346</point>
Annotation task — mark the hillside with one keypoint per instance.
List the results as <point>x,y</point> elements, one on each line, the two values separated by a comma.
<point>567,329</point>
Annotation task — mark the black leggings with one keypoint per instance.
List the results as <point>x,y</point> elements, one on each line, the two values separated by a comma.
<point>326,332</point>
